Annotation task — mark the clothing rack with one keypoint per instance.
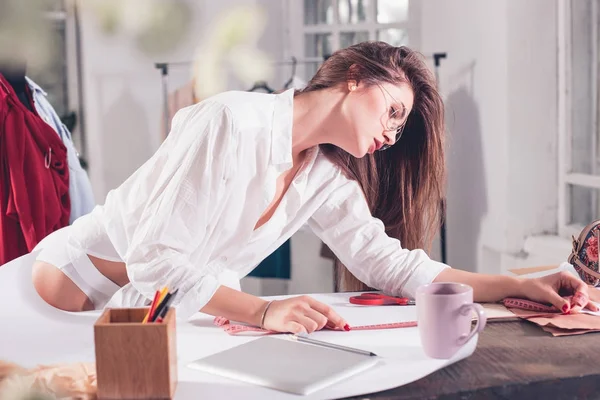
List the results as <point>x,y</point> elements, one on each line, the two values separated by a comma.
<point>164,68</point>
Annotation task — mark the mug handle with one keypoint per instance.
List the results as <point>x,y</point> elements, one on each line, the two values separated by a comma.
<point>466,309</point>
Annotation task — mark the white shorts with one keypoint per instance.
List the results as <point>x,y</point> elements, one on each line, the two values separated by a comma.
<point>57,249</point>
<point>74,263</point>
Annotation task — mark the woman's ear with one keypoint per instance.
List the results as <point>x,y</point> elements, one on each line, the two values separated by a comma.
<point>352,85</point>
<point>353,77</point>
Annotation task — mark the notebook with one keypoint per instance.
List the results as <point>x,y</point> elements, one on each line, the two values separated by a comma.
<point>283,364</point>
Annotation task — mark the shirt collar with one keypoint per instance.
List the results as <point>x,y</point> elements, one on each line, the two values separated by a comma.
<point>35,87</point>
<point>281,134</point>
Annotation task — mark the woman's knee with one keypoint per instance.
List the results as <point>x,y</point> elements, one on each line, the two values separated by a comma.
<point>57,289</point>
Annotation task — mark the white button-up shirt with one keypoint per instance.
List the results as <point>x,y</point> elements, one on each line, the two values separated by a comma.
<point>188,214</point>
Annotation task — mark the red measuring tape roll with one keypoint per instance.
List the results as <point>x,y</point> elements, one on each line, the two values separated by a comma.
<point>234,329</point>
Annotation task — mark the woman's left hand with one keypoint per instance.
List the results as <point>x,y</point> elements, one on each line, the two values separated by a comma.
<point>554,288</point>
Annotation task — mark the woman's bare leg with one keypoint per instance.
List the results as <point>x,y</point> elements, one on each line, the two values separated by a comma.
<point>57,289</point>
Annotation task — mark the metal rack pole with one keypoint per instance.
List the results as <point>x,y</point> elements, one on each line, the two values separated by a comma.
<point>437,57</point>
<point>164,71</point>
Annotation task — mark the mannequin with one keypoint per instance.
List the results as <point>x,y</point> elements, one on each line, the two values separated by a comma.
<point>14,73</point>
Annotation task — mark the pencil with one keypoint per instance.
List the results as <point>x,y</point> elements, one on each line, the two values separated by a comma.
<point>163,304</point>
<point>155,304</point>
<point>152,306</point>
<point>162,315</point>
<point>303,338</point>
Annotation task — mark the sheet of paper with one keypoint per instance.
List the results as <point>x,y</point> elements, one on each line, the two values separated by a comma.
<point>34,333</point>
<point>497,312</point>
<point>537,272</point>
<point>566,332</point>
<point>596,313</point>
<point>532,270</point>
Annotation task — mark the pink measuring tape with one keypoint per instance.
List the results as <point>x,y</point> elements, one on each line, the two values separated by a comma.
<point>234,329</point>
<point>528,305</point>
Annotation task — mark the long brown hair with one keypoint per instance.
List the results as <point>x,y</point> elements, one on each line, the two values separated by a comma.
<point>404,185</point>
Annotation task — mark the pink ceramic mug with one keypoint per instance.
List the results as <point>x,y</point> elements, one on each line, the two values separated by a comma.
<point>444,315</point>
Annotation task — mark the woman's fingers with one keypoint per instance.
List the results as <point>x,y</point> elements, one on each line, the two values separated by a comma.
<point>579,301</point>
<point>557,301</point>
<point>308,323</point>
<point>301,314</point>
<point>316,316</point>
<point>328,312</point>
<point>295,327</point>
<point>578,290</point>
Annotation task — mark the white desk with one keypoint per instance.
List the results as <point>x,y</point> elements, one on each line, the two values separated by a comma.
<point>34,333</point>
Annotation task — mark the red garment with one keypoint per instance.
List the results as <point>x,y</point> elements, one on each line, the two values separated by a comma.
<point>34,177</point>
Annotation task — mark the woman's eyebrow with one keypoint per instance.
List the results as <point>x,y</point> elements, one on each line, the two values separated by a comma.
<point>404,113</point>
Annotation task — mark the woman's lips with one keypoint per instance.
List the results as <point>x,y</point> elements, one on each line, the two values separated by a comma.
<point>378,144</point>
<point>375,146</point>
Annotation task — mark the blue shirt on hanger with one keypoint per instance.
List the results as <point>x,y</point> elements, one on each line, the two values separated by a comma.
<point>80,187</point>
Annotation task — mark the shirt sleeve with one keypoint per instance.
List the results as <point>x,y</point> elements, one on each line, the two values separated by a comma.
<point>184,178</point>
<point>344,222</point>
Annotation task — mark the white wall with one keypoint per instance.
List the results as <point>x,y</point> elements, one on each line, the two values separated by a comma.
<point>122,103</point>
<point>533,118</point>
<point>122,89</point>
<point>500,85</point>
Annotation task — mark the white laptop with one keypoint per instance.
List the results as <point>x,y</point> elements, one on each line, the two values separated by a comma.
<point>284,364</point>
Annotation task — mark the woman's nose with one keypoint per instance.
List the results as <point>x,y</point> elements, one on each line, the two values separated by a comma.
<point>390,138</point>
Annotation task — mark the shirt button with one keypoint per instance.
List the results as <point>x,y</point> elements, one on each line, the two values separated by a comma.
<point>224,259</point>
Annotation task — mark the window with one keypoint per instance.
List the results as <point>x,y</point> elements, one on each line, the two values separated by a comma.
<point>328,25</point>
<point>578,115</point>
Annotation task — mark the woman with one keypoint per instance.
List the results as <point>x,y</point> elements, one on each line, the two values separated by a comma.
<point>358,155</point>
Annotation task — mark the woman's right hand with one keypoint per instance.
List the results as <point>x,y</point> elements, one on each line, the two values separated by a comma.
<point>301,314</point>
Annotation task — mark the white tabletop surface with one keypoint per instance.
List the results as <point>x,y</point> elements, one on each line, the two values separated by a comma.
<point>34,333</point>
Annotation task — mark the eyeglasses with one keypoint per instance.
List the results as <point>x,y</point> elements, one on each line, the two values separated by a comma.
<point>396,118</point>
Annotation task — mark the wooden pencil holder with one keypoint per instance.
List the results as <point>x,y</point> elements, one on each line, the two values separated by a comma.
<point>135,360</point>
